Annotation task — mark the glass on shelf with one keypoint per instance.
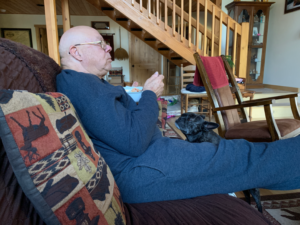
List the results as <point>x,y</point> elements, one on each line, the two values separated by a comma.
<point>255,63</point>
<point>244,16</point>
<point>258,28</point>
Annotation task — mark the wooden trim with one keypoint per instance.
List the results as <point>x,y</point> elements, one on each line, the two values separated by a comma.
<point>52,32</point>
<point>205,29</point>
<point>130,55</point>
<point>283,88</point>
<point>157,12</point>
<point>141,5</point>
<point>166,15</point>
<point>190,22</point>
<point>220,34</point>
<point>181,15</point>
<point>227,36</point>
<point>213,31</point>
<point>149,9</point>
<point>197,28</point>
<point>234,49</point>
<point>243,51</point>
<point>65,14</point>
<point>173,19</point>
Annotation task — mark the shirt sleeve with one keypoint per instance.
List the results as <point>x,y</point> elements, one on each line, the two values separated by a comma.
<point>110,115</point>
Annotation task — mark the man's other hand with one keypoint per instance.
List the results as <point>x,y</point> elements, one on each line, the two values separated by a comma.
<point>155,83</point>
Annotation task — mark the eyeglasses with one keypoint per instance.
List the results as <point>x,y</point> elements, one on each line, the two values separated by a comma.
<point>101,43</point>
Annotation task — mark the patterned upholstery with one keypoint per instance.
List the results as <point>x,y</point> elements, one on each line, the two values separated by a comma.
<point>54,160</point>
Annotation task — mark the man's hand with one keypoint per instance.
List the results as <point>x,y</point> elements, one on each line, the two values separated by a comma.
<point>155,84</point>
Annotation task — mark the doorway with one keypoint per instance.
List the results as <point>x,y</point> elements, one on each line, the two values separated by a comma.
<point>41,37</point>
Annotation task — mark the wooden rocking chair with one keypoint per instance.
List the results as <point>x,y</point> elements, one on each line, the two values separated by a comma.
<point>226,114</point>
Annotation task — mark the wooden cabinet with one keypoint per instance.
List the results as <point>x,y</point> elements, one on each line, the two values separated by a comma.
<point>257,14</point>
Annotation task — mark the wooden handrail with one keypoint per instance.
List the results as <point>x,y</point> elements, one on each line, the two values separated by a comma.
<point>187,36</point>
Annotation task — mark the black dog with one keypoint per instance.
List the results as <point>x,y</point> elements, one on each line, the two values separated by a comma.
<point>196,129</point>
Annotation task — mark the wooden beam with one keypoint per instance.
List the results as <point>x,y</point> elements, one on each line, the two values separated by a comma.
<point>173,19</point>
<point>227,36</point>
<point>244,51</point>
<point>52,31</point>
<point>181,16</point>
<point>157,12</point>
<point>234,49</point>
<point>166,15</point>
<point>197,28</point>
<point>220,34</point>
<point>190,22</point>
<point>213,31</point>
<point>65,14</point>
<point>205,29</point>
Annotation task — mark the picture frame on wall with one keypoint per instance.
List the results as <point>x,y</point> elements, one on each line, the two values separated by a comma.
<point>21,35</point>
<point>100,25</point>
<point>291,6</point>
<point>109,39</point>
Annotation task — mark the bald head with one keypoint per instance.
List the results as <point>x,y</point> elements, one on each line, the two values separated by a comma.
<point>86,58</point>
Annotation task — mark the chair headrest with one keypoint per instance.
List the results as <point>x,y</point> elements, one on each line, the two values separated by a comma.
<point>25,68</point>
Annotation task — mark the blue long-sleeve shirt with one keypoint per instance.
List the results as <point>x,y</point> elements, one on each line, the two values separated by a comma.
<point>119,128</point>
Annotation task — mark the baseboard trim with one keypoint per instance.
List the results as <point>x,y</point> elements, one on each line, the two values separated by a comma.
<point>283,88</point>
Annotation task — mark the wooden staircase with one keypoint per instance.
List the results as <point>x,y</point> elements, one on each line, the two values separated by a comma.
<point>181,40</point>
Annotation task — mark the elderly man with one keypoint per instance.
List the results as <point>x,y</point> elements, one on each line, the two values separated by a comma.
<point>146,166</point>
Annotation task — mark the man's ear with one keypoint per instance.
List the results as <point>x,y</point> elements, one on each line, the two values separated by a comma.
<point>73,51</point>
<point>209,125</point>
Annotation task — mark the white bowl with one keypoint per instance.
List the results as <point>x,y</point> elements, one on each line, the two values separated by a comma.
<point>134,95</point>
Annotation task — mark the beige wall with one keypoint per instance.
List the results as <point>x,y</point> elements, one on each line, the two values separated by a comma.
<point>28,21</point>
<point>283,46</point>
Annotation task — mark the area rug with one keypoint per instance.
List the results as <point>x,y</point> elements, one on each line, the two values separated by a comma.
<point>281,209</point>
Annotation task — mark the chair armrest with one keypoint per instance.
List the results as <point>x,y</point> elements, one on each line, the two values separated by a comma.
<point>258,103</point>
<point>271,98</point>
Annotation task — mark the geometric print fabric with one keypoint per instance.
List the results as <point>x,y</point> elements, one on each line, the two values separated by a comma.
<point>69,174</point>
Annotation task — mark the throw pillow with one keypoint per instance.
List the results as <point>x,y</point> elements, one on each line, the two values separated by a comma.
<point>54,160</point>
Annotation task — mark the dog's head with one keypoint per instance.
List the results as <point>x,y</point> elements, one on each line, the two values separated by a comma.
<point>191,123</point>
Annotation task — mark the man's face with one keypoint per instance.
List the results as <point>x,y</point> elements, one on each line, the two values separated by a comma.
<point>96,60</point>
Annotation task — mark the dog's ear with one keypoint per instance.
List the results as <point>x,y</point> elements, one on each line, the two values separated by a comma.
<point>209,125</point>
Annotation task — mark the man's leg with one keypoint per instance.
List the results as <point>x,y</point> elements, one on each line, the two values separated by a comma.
<point>174,169</point>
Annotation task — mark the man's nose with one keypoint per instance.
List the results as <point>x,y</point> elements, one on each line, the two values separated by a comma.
<point>108,48</point>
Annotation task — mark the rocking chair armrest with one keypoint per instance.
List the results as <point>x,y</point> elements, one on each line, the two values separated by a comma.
<point>244,105</point>
<point>271,98</point>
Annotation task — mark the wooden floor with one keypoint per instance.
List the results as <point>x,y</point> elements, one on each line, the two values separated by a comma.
<point>263,192</point>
